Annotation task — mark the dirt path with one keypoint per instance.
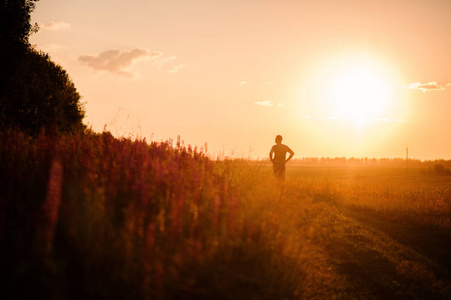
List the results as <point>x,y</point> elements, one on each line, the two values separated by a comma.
<point>382,259</point>
<point>433,244</point>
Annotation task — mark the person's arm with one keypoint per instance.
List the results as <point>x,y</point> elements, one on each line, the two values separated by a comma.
<point>271,154</point>
<point>291,154</point>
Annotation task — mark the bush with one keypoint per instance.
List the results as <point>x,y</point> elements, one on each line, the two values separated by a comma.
<point>439,169</point>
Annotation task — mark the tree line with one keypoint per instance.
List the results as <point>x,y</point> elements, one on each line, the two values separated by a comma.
<point>367,161</point>
<point>35,92</point>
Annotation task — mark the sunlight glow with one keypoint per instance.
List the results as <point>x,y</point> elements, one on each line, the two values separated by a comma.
<point>359,91</point>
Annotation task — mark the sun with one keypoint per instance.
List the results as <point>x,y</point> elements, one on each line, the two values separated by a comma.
<point>358,90</point>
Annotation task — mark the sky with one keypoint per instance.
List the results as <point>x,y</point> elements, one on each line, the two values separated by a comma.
<point>334,78</point>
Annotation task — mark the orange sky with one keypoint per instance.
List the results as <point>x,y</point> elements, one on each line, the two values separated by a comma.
<point>335,78</point>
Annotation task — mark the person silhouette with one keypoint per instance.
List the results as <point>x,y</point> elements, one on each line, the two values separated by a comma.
<point>277,155</point>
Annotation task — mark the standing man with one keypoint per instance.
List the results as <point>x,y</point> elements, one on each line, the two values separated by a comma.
<point>277,155</point>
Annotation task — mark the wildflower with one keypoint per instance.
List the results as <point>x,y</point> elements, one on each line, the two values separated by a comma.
<point>50,208</point>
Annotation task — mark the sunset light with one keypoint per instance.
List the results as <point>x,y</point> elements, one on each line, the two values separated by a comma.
<point>205,149</point>
<point>335,79</point>
<point>359,92</point>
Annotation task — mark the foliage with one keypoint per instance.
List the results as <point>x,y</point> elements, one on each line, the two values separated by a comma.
<point>40,94</point>
<point>34,91</point>
<point>87,215</point>
<point>440,169</point>
<point>15,18</point>
<point>15,28</point>
<point>133,220</point>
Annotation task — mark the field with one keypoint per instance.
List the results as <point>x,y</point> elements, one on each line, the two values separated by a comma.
<point>92,216</point>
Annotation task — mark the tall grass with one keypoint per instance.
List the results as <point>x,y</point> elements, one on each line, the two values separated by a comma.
<point>90,215</point>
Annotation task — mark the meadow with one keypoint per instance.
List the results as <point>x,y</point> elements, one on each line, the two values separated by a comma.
<point>92,216</point>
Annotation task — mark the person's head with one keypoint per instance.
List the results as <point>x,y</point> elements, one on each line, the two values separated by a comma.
<point>279,139</point>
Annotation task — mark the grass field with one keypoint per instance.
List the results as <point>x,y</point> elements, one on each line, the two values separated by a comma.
<point>390,235</point>
<point>91,216</point>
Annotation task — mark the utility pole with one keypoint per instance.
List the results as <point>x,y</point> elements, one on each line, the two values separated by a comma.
<point>407,158</point>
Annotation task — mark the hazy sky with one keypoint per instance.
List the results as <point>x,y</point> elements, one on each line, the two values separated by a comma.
<point>335,78</point>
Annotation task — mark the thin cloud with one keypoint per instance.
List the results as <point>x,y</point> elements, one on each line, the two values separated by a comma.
<point>118,62</point>
<point>243,82</point>
<point>176,68</point>
<point>269,103</point>
<point>54,26</point>
<point>429,86</point>
<point>164,60</point>
<point>264,103</point>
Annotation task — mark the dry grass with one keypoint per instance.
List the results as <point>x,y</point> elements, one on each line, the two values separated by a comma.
<point>412,195</point>
<point>160,221</point>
